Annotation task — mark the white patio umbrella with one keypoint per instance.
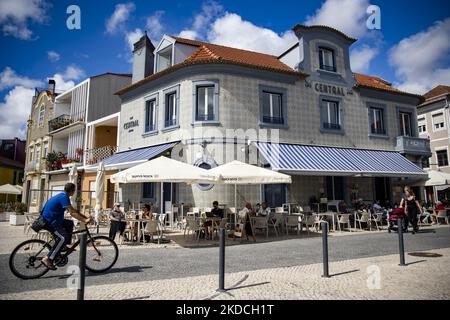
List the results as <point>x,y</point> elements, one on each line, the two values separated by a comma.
<point>9,189</point>
<point>73,175</point>
<point>162,170</point>
<point>99,190</point>
<point>437,178</point>
<point>236,172</point>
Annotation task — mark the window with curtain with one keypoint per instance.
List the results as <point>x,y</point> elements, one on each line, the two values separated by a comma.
<point>150,115</point>
<point>204,109</point>
<point>377,125</point>
<point>326,59</point>
<point>272,108</point>
<point>405,124</point>
<point>170,118</point>
<point>331,118</point>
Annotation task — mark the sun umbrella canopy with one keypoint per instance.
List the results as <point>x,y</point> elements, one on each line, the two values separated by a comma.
<point>236,172</point>
<point>10,189</point>
<point>437,178</point>
<point>164,169</point>
<point>99,189</point>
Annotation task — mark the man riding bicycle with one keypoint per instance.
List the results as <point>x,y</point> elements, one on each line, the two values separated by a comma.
<point>60,228</point>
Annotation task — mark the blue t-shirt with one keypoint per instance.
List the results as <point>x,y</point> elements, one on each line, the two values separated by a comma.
<point>54,209</point>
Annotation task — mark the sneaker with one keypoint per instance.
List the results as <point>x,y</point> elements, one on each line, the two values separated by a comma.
<point>48,263</point>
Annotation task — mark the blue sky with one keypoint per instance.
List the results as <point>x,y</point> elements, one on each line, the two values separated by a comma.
<point>412,49</point>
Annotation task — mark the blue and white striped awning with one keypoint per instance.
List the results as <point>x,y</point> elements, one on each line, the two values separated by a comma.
<point>322,160</point>
<point>130,158</point>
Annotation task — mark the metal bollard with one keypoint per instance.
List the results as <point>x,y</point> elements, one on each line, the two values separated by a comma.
<point>325,249</point>
<point>400,242</point>
<point>222,260</point>
<point>82,265</point>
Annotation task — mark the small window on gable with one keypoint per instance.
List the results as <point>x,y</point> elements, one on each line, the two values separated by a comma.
<point>326,59</point>
<point>164,57</point>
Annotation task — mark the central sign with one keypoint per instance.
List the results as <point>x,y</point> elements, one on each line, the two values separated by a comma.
<point>327,88</point>
<point>131,124</point>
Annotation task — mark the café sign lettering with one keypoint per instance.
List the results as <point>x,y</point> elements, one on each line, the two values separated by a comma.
<point>330,89</point>
<point>131,124</point>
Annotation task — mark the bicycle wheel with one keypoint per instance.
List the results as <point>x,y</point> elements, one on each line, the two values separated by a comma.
<point>25,260</point>
<point>101,254</point>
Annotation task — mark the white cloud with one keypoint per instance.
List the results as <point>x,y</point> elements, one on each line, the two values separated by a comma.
<point>133,36</point>
<point>155,28</point>
<point>16,14</point>
<point>360,58</point>
<point>16,105</point>
<point>232,30</point>
<point>14,112</point>
<point>210,10</point>
<point>421,61</point>
<point>53,56</point>
<point>73,72</point>
<point>9,79</point>
<point>119,17</point>
<point>348,16</point>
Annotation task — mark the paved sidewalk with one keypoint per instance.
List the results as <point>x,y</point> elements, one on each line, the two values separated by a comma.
<point>423,278</point>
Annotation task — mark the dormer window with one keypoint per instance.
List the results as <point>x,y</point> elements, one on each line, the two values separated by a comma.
<point>164,58</point>
<point>326,59</point>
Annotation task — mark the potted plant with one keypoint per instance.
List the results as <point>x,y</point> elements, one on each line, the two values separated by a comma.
<point>69,162</point>
<point>54,160</point>
<point>18,217</point>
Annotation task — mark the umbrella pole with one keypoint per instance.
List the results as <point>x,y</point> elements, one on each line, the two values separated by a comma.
<point>235,204</point>
<point>162,198</point>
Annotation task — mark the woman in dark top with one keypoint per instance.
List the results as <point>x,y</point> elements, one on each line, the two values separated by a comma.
<point>116,217</point>
<point>412,208</point>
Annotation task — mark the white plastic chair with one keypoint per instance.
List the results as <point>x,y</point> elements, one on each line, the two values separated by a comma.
<point>365,217</point>
<point>293,221</point>
<point>261,223</point>
<point>308,220</point>
<point>344,219</point>
<point>376,218</point>
<point>150,229</point>
<point>442,214</point>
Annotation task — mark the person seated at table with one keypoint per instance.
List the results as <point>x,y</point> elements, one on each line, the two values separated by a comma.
<point>425,216</point>
<point>116,216</point>
<point>438,207</point>
<point>216,211</point>
<point>376,207</point>
<point>264,210</point>
<point>147,211</point>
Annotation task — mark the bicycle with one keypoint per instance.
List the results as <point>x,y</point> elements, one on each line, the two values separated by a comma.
<point>25,260</point>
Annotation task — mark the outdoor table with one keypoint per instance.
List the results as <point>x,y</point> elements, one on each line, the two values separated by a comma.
<point>214,221</point>
<point>332,214</point>
<point>139,223</point>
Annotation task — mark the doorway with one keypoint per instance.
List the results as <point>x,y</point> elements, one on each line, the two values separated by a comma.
<point>382,190</point>
<point>109,194</point>
<point>42,194</point>
<point>275,195</point>
<point>335,188</point>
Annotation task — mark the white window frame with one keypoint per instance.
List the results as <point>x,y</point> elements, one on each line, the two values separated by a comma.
<point>44,155</point>
<point>444,127</point>
<point>436,150</point>
<point>41,115</point>
<point>30,151</point>
<point>422,121</point>
<point>151,99</point>
<point>402,127</point>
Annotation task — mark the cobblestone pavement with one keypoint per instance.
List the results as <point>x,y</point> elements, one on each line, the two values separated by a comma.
<point>282,268</point>
<point>422,278</point>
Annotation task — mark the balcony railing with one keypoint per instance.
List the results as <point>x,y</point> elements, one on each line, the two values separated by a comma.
<point>413,146</point>
<point>59,122</point>
<point>96,155</point>
<point>204,117</point>
<point>170,123</point>
<point>380,131</point>
<point>32,166</point>
<point>331,126</point>
<point>273,120</point>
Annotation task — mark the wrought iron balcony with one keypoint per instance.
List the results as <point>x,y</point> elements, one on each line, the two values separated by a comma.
<point>96,155</point>
<point>32,166</point>
<point>204,117</point>
<point>273,120</point>
<point>170,123</point>
<point>331,126</point>
<point>413,146</point>
<point>59,122</point>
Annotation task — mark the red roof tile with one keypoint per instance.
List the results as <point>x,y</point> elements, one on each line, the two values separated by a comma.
<point>437,91</point>
<point>208,53</point>
<point>372,82</point>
